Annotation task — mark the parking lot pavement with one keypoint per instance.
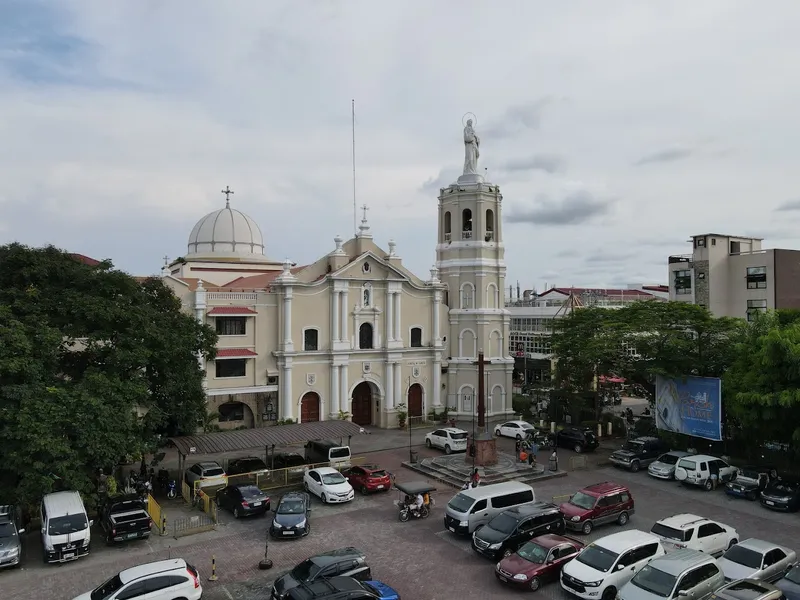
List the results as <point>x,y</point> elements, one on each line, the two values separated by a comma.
<point>419,558</point>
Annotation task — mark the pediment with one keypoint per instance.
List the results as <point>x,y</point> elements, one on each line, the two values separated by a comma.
<point>376,269</point>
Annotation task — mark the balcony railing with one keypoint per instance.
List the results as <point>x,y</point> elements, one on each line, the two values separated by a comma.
<point>232,296</point>
<point>466,235</point>
<point>447,237</point>
<point>680,258</point>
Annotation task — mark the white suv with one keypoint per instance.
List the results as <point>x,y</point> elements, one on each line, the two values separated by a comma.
<point>697,469</point>
<point>450,439</point>
<point>695,533</point>
<point>163,580</point>
<point>603,567</point>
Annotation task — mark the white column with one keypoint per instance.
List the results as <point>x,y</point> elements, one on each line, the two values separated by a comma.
<point>344,400</point>
<point>435,317</point>
<point>397,335</point>
<point>437,383</point>
<point>335,310</point>
<point>343,321</point>
<point>389,386</point>
<point>287,320</point>
<point>390,316</point>
<point>287,402</point>
<point>398,390</point>
<point>334,403</point>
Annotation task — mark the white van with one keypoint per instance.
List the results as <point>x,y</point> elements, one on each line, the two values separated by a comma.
<point>65,527</point>
<point>327,451</point>
<point>472,508</point>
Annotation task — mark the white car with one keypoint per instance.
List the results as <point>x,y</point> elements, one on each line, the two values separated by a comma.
<point>604,566</point>
<point>756,559</point>
<point>328,484</point>
<point>514,429</point>
<point>696,533</point>
<point>449,439</point>
<point>697,468</point>
<point>162,580</point>
<point>206,474</point>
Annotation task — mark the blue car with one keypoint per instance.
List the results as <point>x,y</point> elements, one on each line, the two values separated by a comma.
<point>342,588</point>
<point>384,591</point>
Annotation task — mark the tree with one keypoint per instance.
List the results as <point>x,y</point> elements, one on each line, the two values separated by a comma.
<point>93,363</point>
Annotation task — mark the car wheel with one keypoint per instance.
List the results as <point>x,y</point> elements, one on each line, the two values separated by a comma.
<point>587,527</point>
<point>623,518</point>
<point>732,543</point>
<point>305,486</point>
<point>427,443</point>
<point>535,583</point>
<point>519,438</point>
<point>609,593</point>
<point>497,432</point>
<point>708,485</point>
<point>635,466</point>
<point>324,498</point>
<point>364,490</point>
<point>235,513</point>
<point>447,449</point>
<point>308,529</point>
<point>507,552</point>
<point>578,448</point>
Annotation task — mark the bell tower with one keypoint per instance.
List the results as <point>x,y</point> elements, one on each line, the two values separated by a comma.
<point>470,259</point>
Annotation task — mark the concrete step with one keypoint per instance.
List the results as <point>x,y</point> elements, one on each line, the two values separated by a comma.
<point>457,480</point>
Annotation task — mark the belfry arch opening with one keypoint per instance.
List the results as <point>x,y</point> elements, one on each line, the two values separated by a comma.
<point>489,225</point>
<point>466,223</point>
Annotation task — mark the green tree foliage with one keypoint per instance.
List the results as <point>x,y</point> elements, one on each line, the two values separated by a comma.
<point>81,349</point>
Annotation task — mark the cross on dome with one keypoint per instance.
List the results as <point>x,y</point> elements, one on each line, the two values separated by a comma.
<point>363,229</point>
<point>227,191</point>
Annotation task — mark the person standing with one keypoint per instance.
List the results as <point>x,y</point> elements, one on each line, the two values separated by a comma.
<point>532,451</point>
<point>518,447</point>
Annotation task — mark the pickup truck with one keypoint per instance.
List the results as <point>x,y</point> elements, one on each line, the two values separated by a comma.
<point>124,518</point>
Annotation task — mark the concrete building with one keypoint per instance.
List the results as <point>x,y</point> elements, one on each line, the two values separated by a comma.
<point>733,276</point>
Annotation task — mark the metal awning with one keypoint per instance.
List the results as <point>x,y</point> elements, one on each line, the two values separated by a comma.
<point>277,435</point>
<point>235,353</point>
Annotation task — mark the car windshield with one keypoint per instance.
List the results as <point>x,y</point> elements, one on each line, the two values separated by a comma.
<point>668,459</point>
<point>333,478</point>
<point>687,464</point>
<point>213,472</point>
<point>7,530</point>
<point>794,575</point>
<point>339,453</point>
<point>107,589</point>
<point>533,552</point>
<point>380,473</point>
<point>458,436</point>
<point>461,503</point>
<point>633,446</point>
<point>291,507</point>
<point>503,523</point>
<point>597,557</point>
<point>247,466</point>
<point>67,524</point>
<point>747,474</point>
<point>667,532</point>
<point>582,500</point>
<point>289,460</point>
<point>654,581</point>
<point>251,492</point>
<point>744,556</point>
<point>306,570</point>
<point>527,426</point>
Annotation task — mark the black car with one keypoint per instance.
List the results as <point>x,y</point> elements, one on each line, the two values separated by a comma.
<point>789,584</point>
<point>341,588</point>
<point>243,500</point>
<point>349,562</point>
<point>287,460</point>
<point>291,516</point>
<point>579,439</point>
<point>750,481</point>
<point>638,453</point>
<point>512,528</point>
<point>781,494</point>
<point>250,465</point>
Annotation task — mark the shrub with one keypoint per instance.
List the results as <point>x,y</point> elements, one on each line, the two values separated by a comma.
<point>522,406</point>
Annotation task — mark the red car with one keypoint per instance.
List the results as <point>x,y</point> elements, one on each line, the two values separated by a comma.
<point>368,478</point>
<point>538,561</point>
<point>597,504</point>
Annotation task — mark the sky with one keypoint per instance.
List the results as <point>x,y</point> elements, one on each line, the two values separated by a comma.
<point>615,130</point>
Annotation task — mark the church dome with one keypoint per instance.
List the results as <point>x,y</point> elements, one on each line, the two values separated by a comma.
<point>227,233</point>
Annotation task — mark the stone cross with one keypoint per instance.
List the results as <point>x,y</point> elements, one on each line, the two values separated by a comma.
<point>227,191</point>
<point>364,208</point>
<point>481,388</point>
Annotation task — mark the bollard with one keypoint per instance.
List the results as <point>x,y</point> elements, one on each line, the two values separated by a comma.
<point>599,430</point>
<point>266,563</point>
<point>213,576</point>
<point>541,423</point>
<point>610,428</point>
<point>552,426</point>
<point>163,525</point>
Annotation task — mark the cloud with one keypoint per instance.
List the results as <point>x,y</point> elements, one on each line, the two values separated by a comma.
<point>604,257</point>
<point>576,208</point>
<point>446,177</point>
<point>549,163</point>
<point>789,206</point>
<point>664,156</point>
<point>517,119</point>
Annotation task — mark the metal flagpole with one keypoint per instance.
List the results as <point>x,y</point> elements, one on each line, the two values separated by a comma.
<point>355,210</point>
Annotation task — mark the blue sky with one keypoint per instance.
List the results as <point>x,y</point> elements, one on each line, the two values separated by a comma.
<point>616,130</point>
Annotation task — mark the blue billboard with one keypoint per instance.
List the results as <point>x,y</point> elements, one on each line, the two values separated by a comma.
<point>692,406</point>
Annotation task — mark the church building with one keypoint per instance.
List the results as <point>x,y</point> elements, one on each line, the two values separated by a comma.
<point>355,334</point>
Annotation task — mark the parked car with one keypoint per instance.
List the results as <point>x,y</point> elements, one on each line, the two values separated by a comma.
<point>248,465</point>
<point>696,533</point>
<point>748,589</point>
<point>343,588</point>
<point>638,453</point>
<point>449,439</point>
<point>243,500</point>
<point>162,580</point>
<point>781,494</point>
<point>294,462</point>
<point>757,559</point>
<point>750,481</point>
<point>348,562</point>
<point>505,533</point>
<point>664,466</point>
<point>683,574</point>
<point>291,519</point>
<point>514,429</point>
<point>603,567</point>
<point>598,504</point>
<point>696,470</point>
<point>578,439</point>
<point>10,532</point>
<point>368,478</point>
<point>124,517</point>
<point>206,474</point>
<point>789,584</point>
<point>328,484</point>
<point>538,561</point>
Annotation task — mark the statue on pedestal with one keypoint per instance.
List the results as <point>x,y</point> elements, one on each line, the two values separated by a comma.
<point>472,152</point>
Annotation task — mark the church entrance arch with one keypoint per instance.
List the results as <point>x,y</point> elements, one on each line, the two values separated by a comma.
<point>362,404</point>
<point>415,401</point>
<point>309,407</point>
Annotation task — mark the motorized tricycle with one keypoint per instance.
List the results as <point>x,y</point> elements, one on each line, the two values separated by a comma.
<point>407,502</point>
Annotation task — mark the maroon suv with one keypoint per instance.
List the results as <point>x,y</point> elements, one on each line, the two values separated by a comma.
<point>598,504</point>
<point>538,561</point>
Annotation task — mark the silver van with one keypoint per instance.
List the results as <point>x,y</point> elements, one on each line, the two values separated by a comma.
<point>472,508</point>
<point>688,574</point>
<point>65,527</point>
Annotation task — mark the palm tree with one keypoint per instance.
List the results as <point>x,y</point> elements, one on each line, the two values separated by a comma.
<point>208,422</point>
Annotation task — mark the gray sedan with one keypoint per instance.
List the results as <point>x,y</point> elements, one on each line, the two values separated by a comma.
<point>756,559</point>
<point>664,466</point>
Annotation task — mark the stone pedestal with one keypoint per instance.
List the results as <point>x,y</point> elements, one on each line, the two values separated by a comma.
<point>485,451</point>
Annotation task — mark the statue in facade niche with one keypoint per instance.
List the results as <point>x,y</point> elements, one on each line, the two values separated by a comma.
<point>472,152</point>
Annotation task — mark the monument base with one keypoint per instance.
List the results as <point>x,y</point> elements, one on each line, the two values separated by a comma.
<point>485,451</point>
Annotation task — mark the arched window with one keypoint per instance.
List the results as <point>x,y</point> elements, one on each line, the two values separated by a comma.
<point>416,337</point>
<point>365,336</point>
<point>491,296</point>
<point>448,223</point>
<point>489,225</point>
<point>466,224</point>
<point>310,340</point>
<point>467,296</point>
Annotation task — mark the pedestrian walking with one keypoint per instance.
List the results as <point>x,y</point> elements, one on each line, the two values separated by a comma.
<point>532,454</point>
<point>518,448</point>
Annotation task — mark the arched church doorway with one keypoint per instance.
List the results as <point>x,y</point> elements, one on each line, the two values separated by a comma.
<point>362,404</point>
<point>309,407</point>
<point>415,401</point>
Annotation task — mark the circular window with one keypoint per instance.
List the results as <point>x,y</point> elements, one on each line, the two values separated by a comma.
<point>366,267</point>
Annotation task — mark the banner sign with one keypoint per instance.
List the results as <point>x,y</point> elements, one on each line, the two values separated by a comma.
<point>692,406</point>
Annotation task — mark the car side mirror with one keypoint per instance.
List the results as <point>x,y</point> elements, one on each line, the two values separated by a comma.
<point>551,558</point>
<point>620,567</point>
<point>91,522</point>
<point>683,593</point>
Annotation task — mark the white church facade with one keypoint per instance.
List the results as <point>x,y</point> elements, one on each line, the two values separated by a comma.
<point>354,334</point>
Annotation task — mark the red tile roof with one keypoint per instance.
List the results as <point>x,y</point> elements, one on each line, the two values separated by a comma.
<point>599,291</point>
<point>82,258</point>
<point>235,353</point>
<point>656,288</point>
<point>257,282</point>
<point>231,310</point>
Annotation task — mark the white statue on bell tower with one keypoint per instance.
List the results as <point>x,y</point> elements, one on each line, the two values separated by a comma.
<point>472,149</point>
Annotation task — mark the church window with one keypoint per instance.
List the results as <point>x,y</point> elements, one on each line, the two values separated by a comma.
<point>311,340</point>
<point>366,267</point>
<point>466,220</point>
<point>231,325</point>
<point>489,225</point>
<point>416,337</point>
<point>467,294</point>
<point>447,225</point>
<point>365,336</point>
<point>232,367</point>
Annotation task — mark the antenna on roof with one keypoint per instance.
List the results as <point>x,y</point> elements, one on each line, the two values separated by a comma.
<point>355,209</point>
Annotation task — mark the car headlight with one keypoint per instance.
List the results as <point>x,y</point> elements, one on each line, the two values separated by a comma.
<point>575,519</point>
<point>494,546</point>
<point>521,577</point>
<point>301,523</point>
<point>85,542</point>
<point>49,547</point>
<point>13,551</point>
<point>277,526</point>
<point>593,583</point>
<point>463,523</point>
